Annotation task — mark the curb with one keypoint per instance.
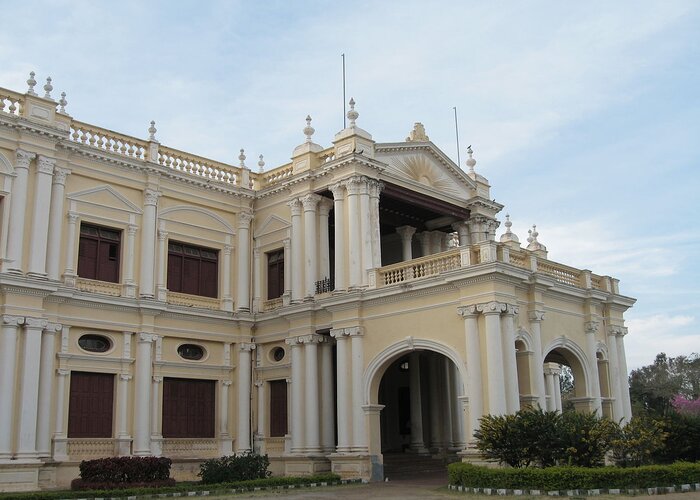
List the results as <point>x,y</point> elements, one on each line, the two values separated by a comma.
<point>658,490</point>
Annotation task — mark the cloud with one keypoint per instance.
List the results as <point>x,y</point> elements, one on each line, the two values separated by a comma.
<point>650,335</point>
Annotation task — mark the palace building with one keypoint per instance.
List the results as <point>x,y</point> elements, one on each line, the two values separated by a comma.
<point>334,312</point>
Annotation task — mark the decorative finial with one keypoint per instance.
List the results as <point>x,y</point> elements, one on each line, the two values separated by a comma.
<point>471,162</point>
<point>241,158</point>
<point>62,103</point>
<point>535,234</point>
<point>417,134</point>
<point>31,82</point>
<point>152,131</point>
<point>508,224</point>
<point>48,88</point>
<point>509,236</point>
<point>352,114</point>
<point>530,239</point>
<point>535,245</point>
<point>261,164</point>
<point>308,130</point>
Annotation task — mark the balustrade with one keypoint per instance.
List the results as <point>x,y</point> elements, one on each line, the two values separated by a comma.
<point>101,287</point>
<point>90,448</point>
<point>11,102</point>
<point>190,448</point>
<point>272,304</point>
<point>198,166</point>
<point>107,140</point>
<point>275,446</point>
<point>184,299</point>
<point>559,272</point>
<point>277,175</point>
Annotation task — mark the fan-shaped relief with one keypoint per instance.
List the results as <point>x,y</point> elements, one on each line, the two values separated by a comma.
<point>422,169</point>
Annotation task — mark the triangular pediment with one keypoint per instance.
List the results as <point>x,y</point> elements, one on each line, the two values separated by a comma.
<point>425,164</point>
<point>105,196</point>
<point>270,225</point>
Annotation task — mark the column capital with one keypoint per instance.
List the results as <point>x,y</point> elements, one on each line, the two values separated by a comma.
<point>490,308</point>
<point>591,327</point>
<point>228,249</point>
<point>44,164</point>
<point>324,206</point>
<point>150,197</point>
<point>246,346</point>
<point>355,184</point>
<point>157,379</point>
<point>295,206</point>
<point>61,372</point>
<point>312,338</point>
<point>354,331</point>
<point>459,226</point>
<point>552,369</point>
<point>338,190</point>
<point>226,383</point>
<point>162,235</point>
<point>53,327</point>
<point>615,330</point>
<point>146,337</point>
<point>510,310</point>
<point>23,158</point>
<point>38,323</point>
<point>131,229</point>
<point>125,377</point>
<point>73,217</point>
<point>406,232</point>
<point>375,188</point>
<point>310,201</point>
<point>244,220</point>
<point>258,384</point>
<point>287,243</point>
<point>59,175</point>
<point>468,311</point>
<point>535,316</point>
<point>8,319</point>
<point>338,333</point>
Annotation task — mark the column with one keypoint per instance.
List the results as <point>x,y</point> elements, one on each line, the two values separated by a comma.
<point>457,406</point>
<point>130,257</point>
<point>148,243</point>
<point>549,379</point>
<point>462,232</point>
<point>310,202</point>
<point>53,255</point>
<point>339,220</point>
<point>324,265</point>
<point>244,385</point>
<point>257,272</point>
<point>287,271</point>
<point>416,404</point>
<point>46,373</point>
<point>60,448</point>
<point>343,395</point>
<point>29,392</point>
<point>243,299</point>
<point>122,427</point>
<point>375,188</point>
<point>614,373</point>
<point>358,422</point>
<point>536,318</point>
<point>162,284</point>
<point>425,239</point>
<point>312,443</point>
<point>156,435</point>
<point>557,388</point>
<point>142,397</point>
<point>494,357</point>
<point>297,396</point>
<point>70,273</point>
<point>354,231</point>
<point>406,233</point>
<point>40,216</point>
<point>262,413</point>
<point>591,330</point>
<point>471,333</point>
<point>366,230</point>
<point>297,252</point>
<point>437,238</point>
<point>18,209</point>
<point>623,374</point>
<point>225,442</point>
<point>436,442</point>
<point>8,361</point>
<point>510,363</point>
<point>227,302</point>
<point>327,407</point>
<point>449,403</point>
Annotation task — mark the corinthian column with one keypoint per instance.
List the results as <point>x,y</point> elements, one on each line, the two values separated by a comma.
<point>614,365</point>
<point>366,230</point>
<point>312,429</point>
<point>471,333</point>
<point>339,220</point>
<point>8,361</point>
<point>29,394</point>
<point>142,398</point>
<point>40,217</point>
<point>494,357</point>
<point>243,299</point>
<point>56,223</point>
<point>375,188</point>
<point>18,208</point>
<point>227,302</point>
<point>416,404</point>
<point>244,383</point>
<point>358,422</point>
<point>324,269</point>
<point>46,376</point>
<point>624,374</point>
<point>343,395</point>
<point>353,186</point>
<point>148,242</point>
<point>297,395</point>
<point>297,255</point>
<point>162,263</point>
<point>310,202</point>
<point>406,233</point>
<point>69,273</point>
<point>536,318</point>
<point>510,363</point>
<point>591,330</point>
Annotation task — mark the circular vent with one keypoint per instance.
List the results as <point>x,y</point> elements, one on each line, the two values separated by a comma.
<point>278,354</point>
<point>94,343</point>
<point>191,351</point>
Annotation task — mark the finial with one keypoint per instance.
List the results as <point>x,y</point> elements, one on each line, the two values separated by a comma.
<point>261,164</point>
<point>31,82</point>
<point>352,114</point>
<point>308,130</point>
<point>48,88</point>
<point>152,131</point>
<point>530,239</point>
<point>535,234</point>
<point>471,162</point>
<point>535,245</point>
<point>508,224</point>
<point>241,158</point>
<point>62,103</point>
<point>509,236</point>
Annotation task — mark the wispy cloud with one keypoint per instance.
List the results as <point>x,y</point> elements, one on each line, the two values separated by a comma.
<point>648,336</point>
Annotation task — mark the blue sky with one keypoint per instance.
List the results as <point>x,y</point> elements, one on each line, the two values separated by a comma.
<point>584,116</point>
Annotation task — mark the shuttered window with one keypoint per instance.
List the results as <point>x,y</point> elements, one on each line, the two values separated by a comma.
<point>193,270</point>
<point>278,408</point>
<point>188,408</point>
<point>90,405</point>
<point>275,274</point>
<point>98,253</point>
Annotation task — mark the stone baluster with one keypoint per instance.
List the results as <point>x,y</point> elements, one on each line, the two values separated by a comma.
<point>297,253</point>
<point>56,223</point>
<point>338,191</point>
<point>406,233</point>
<point>471,333</point>
<point>18,208</point>
<point>536,318</point>
<point>591,328</point>
<point>343,394</point>
<point>46,376</point>
<point>29,393</point>
<point>243,299</point>
<point>310,203</point>
<point>244,381</point>
<point>494,357</point>
<point>8,363</point>
<point>510,363</point>
<point>148,241</point>
<point>142,397</point>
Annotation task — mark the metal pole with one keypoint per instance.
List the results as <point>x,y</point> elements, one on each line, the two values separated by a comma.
<point>344,117</point>
<point>459,162</point>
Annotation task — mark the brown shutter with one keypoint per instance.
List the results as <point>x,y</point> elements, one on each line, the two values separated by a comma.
<point>87,258</point>
<point>174,272</point>
<point>188,408</point>
<point>209,279</point>
<point>278,408</point>
<point>90,405</point>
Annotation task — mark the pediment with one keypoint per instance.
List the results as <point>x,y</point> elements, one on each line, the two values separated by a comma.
<point>196,217</point>
<point>270,225</point>
<point>425,164</point>
<point>105,196</point>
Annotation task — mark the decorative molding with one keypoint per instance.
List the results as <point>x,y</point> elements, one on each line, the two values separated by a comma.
<point>10,320</point>
<point>23,158</point>
<point>535,316</point>
<point>591,327</point>
<point>44,165</point>
<point>150,197</point>
<point>35,323</point>
<point>468,311</point>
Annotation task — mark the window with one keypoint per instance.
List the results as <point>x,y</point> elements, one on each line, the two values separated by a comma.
<point>98,253</point>
<point>275,274</point>
<point>188,408</point>
<point>94,343</point>
<point>193,270</point>
<point>191,352</point>
<point>278,408</point>
<point>90,405</point>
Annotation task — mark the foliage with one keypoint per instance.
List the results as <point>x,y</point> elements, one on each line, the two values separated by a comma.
<point>81,484</point>
<point>638,441</point>
<point>241,467</point>
<point>653,387</point>
<point>113,470</point>
<point>686,406</point>
<point>585,439</point>
<point>566,478</point>
<point>509,438</point>
<point>683,436</point>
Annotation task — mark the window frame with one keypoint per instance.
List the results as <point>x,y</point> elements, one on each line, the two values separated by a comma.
<point>98,421</point>
<point>204,392</point>
<point>99,270</point>
<point>176,280</point>
<point>278,273</point>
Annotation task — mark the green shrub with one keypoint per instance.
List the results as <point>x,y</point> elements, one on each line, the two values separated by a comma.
<point>564,478</point>
<point>638,441</point>
<point>113,470</point>
<point>683,436</point>
<point>585,438</point>
<point>241,467</point>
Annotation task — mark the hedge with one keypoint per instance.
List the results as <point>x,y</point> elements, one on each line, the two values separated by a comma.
<point>567,478</point>
<point>125,470</point>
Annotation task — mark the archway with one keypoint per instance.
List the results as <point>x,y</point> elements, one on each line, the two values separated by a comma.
<point>566,380</point>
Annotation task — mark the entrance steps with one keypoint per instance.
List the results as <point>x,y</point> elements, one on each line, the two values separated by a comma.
<point>411,465</point>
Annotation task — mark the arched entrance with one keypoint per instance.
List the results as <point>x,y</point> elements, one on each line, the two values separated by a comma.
<point>566,378</point>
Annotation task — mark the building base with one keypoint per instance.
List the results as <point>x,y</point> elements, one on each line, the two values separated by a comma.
<point>305,466</point>
<point>16,475</point>
<point>357,467</point>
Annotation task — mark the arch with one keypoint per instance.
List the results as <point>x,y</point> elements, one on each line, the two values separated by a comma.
<point>572,352</point>
<point>227,228</point>
<point>524,336</point>
<point>601,348</point>
<point>376,368</point>
<point>6,165</point>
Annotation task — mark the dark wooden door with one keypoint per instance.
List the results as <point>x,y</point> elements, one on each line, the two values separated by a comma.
<point>278,408</point>
<point>188,408</point>
<point>90,405</point>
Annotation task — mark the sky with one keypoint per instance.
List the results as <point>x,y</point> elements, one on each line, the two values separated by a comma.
<point>584,116</point>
